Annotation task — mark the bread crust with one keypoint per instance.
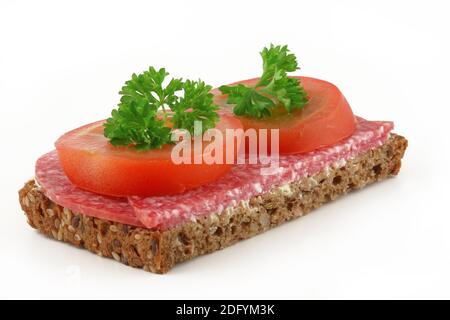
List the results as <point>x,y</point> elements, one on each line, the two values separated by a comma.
<point>158,251</point>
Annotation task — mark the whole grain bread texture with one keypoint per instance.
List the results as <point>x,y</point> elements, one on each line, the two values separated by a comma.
<point>158,251</point>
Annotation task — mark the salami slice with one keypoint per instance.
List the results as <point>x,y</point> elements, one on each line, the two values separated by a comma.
<point>57,187</point>
<point>246,181</point>
<point>240,184</point>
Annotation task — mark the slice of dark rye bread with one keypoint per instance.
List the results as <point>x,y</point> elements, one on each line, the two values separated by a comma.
<point>158,251</point>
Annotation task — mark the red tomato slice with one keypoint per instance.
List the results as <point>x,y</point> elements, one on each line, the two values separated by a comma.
<point>93,164</point>
<point>324,121</point>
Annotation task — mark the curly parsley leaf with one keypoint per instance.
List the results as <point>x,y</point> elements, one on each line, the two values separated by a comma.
<point>148,110</point>
<point>288,91</point>
<point>276,59</point>
<point>274,86</point>
<point>136,124</point>
<point>148,88</point>
<point>195,105</point>
<point>248,101</point>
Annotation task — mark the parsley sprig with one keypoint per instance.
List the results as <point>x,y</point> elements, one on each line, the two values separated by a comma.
<point>149,111</point>
<point>273,87</point>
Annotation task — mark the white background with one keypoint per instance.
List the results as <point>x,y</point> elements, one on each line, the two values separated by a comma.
<point>62,64</point>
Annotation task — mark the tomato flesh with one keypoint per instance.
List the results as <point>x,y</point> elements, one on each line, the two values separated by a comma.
<point>93,164</point>
<point>325,120</point>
